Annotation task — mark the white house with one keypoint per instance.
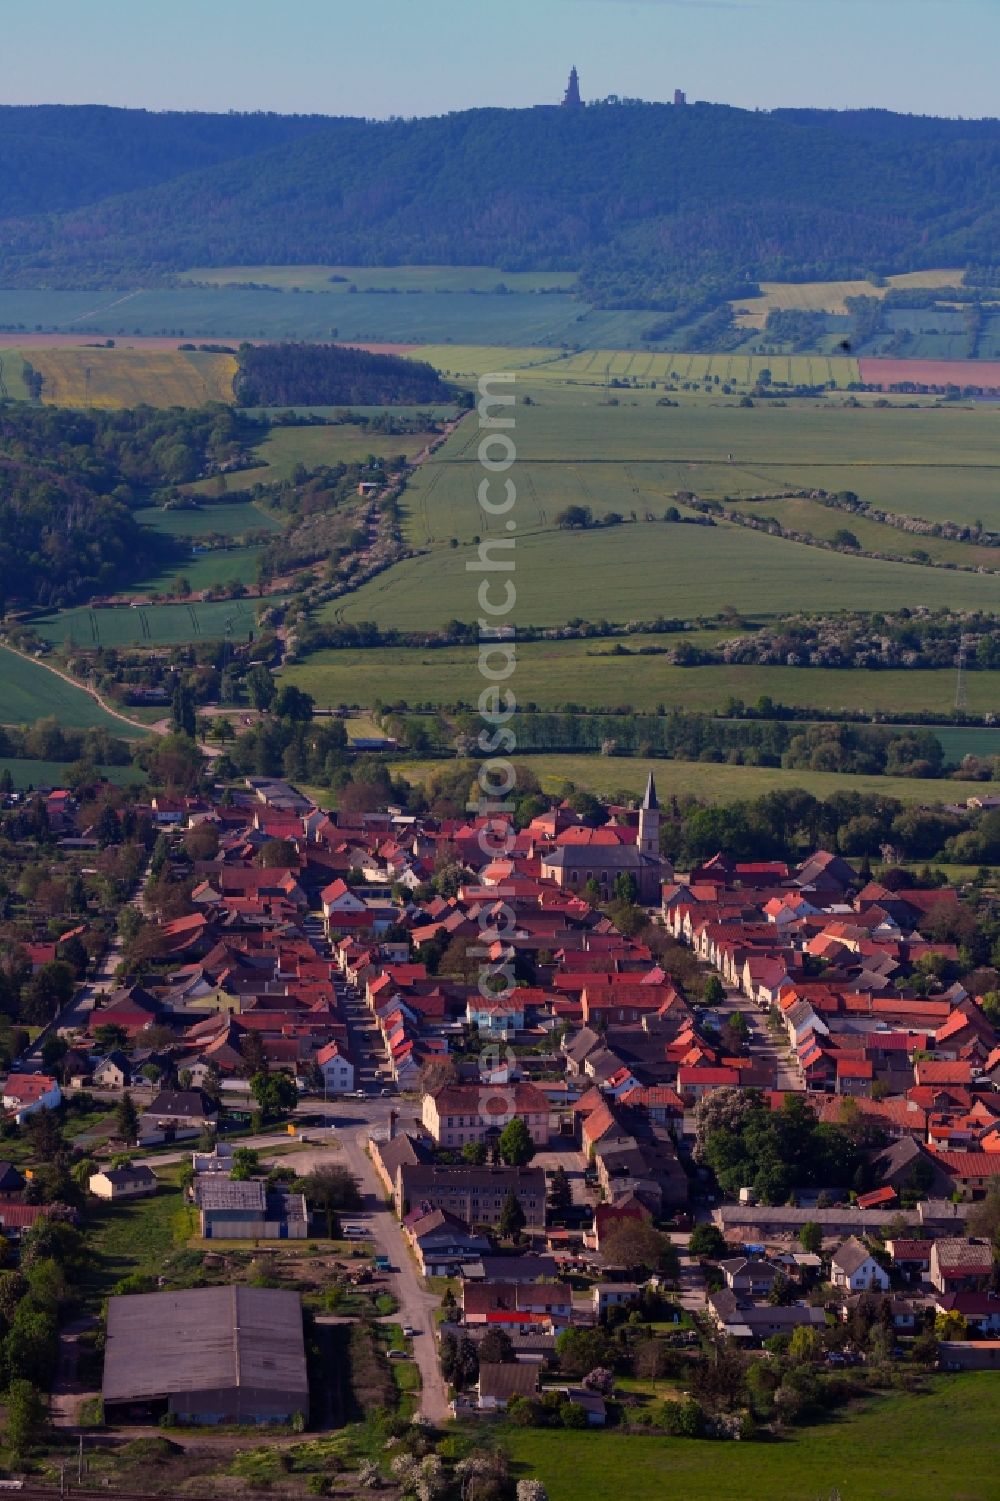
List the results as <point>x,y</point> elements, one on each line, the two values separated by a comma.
<point>119,1183</point>
<point>852,1266</point>
<point>336,1068</point>
<point>23,1094</point>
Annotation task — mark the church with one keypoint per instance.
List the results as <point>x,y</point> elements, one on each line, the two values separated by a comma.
<point>583,854</point>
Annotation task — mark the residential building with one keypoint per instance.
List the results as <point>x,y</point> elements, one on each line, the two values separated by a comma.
<point>131,1182</point>
<point>853,1267</point>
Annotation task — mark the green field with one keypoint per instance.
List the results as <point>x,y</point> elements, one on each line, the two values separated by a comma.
<point>589,362</point>
<point>553,673</point>
<point>637,572</point>
<point>573,449</point>
<point>152,625</point>
<point>823,522</point>
<point>716,782</point>
<point>27,774</point>
<point>547,319</point>
<point>338,279</point>
<point>29,691</point>
<point>933,1447</point>
<point>203,570</point>
<point>232,518</point>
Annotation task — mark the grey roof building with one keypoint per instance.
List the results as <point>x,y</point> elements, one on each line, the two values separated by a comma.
<point>208,1355</point>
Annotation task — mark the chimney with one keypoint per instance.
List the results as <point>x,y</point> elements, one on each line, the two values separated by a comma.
<point>393,1118</point>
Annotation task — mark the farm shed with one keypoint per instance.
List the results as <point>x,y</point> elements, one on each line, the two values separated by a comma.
<point>208,1355</point>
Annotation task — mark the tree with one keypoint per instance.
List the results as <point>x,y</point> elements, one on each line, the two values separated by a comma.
<point>708,1241</point>
<point>496,1348</point>
<point>466,1369</point>
<point>811,1237</point>
<point>714,992</point>
<point>329,1190</point>
<point>261,688</point>
<point>805,1345</point>
<point>245,1164</point>
<point>275,1093</point>
<point>516,1145</point>
<point>27,1414</point>
<point>475,1153</point>
<point>638,1246</point>
<point>127,1118</point>
<point>512,1217</point>
<point>277,854</point>
<point>560,1195</point>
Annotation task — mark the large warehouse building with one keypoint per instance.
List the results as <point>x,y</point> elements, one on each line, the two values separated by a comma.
<point>208,1355</point>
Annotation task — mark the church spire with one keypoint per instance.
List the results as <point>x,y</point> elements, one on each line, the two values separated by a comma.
<point>650,800</point>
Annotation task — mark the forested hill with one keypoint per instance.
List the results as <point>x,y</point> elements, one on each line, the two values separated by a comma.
<point>647,198</point>
<point>332,375</point>
<point>55,157</point>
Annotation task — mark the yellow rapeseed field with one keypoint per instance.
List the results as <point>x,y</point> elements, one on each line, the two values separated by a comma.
<point>132,377</point>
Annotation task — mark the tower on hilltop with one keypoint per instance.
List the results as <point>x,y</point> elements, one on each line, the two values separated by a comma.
<point>649,822</point>
<point>571,98</point>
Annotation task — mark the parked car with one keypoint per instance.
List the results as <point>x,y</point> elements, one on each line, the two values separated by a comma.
<point>408,1331</point>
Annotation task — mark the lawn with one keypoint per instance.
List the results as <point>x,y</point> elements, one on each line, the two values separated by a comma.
<point>714,781</point>
<point>553,673</point>
<point>153,625</point>
<point>29,691</point>
<point>137,1237</point>
<point>935,1447</point>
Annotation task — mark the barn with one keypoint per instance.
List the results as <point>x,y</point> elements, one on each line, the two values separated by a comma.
<point>206,1355</point>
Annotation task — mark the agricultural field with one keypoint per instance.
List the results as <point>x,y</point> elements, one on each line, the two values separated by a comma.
<point>29,691</point>
<point>208,569</point>
<point>132,377</point>
<point>230,314</point>
<point>638,571</point>
<point>553,673</point>
<point>231,518</point>
<point>823,522</point>
<point>29,775</point>
<point>927,1447</point>
<point>600,363</point>
<point>338,279</point>
<point>829,296</point>
<point>714,781</point>
<point>12,386</point>
<point>152,625</point>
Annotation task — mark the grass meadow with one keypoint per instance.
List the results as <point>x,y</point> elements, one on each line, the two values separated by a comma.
<point>930,1447</point>
<point>152,625</point>
<point>338,279</point>
<point>553,673</point>
<point>829,296</point>
<point>232,518</point>
<point>29,691</point>
<point>716,782</point>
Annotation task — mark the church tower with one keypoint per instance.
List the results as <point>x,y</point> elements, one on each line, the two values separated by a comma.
<point>571,98</point>
<point>649,822</point>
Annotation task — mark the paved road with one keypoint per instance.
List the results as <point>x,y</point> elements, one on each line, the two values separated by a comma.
<point>762,1045</point>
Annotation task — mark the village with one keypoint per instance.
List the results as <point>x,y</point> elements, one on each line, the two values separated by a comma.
<point>744,1109</point>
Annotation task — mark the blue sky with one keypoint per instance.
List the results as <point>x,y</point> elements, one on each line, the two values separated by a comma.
<point>380,57</point>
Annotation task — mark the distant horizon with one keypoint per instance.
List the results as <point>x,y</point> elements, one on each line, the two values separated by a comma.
<point>609,101</point>
<point>934,58</point>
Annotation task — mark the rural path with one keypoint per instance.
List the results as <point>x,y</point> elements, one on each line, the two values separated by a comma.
<point>135,724</point>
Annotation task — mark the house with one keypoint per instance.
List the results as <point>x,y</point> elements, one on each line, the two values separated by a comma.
<point>12,1184</point>
<point>113,1072</point>
<point>206,1355</point>
<point>750,1275</point>
<point>607,1295</point>
<point>517,1304</point>
<point>742,1319</point>
<point>498,1384</point>
<point>248,1211</point>
<point>460,1113</point>
<point>24,1094</point>
<point>444,1245</point>
<point>960,1265</point>
<point>336,1068</point>
<point>911,1257</point>
<point>853,1267</point>
<point>495,1018</point>
<point>980,1310</point>
<point>474,1195</point>
<point>115,1184</point>
<point>176,1114</point>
